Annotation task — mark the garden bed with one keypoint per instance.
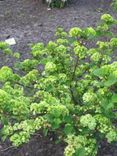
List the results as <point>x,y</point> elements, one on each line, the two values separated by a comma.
<point>29,21</point>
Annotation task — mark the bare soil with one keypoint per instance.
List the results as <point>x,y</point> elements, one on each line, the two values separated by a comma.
<point>29,21</point>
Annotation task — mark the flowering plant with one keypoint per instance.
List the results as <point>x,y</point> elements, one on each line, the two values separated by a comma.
<point>74,95</point>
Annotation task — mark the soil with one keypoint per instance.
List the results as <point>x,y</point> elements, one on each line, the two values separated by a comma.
<point>29,21</point>
<point>38,146</point>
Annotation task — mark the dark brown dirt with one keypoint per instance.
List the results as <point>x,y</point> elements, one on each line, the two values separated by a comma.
<point>38,146</point>
<point>29,21</point>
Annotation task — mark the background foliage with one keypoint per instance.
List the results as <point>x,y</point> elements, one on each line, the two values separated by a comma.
<point>62,3</point>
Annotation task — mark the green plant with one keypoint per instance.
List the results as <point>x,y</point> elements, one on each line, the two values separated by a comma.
<point>75,95</point>
<point>61,3</point>
<point>114,4</point>
<point>56,3</point>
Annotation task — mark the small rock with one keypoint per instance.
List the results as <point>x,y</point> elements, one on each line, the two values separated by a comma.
<point>10,41</point>
<point>48,9</point>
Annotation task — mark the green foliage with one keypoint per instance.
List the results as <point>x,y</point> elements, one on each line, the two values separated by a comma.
<point>114,4</point>
<point>62,3</point>
<point>3,45</point>
<point>56,3</point>
<point>75,95</point>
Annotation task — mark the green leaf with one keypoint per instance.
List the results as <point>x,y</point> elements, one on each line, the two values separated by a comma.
<point>68,129</point>
<point>107,104</point>
<point>99,72</point>
<point>114,98</point>
<point>111,81</point>
<point>80,152</point>
<point>56,123</point>
<point>45,131</point>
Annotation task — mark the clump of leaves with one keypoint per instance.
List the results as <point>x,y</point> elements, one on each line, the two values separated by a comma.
<point>75,95</point>
<point>56,3</point>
